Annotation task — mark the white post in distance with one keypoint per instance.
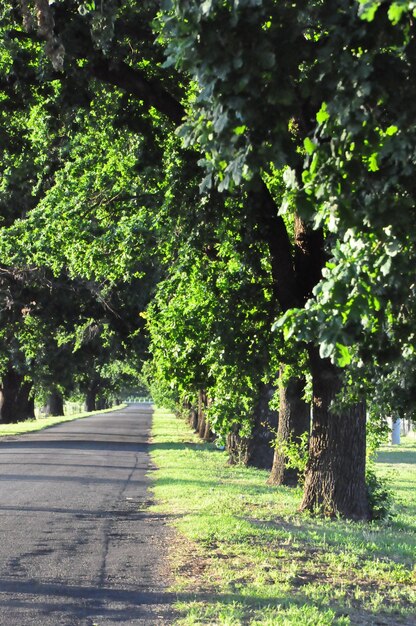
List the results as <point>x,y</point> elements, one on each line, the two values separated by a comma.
<point>395,431</point>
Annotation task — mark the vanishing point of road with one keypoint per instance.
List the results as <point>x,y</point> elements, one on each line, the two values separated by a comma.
<point>79,546</point>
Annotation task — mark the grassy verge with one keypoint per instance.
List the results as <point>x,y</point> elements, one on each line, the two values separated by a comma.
<point>244,556</point>
<point>32,425</point>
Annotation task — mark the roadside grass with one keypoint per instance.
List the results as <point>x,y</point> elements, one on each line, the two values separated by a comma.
<point>245,556</point>
<point>32,425</point>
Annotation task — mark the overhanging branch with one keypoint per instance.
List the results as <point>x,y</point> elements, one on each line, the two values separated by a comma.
<point>132,81</point>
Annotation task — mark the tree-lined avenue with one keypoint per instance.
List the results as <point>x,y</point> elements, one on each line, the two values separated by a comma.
<point>78,546</point>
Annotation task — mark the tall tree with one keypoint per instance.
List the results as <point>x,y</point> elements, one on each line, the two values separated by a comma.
<point>326,117</point>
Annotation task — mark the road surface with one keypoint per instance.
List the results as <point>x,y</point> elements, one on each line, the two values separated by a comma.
<point>78,546</point>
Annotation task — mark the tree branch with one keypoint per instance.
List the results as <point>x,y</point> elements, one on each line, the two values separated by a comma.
<point>150,91</point>
<point>274,233</point>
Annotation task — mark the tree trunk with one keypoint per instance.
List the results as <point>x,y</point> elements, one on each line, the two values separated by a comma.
<point>55,404</point>
<point>335,474</point>
<point>90,400</point>
<point>191,414</point>
<point>193,418</point>
<point>28,400</point>
<point>259,447</point>
<point>256,450</point>
<point>101,403</point>
<point>237,447</point>
<point>294,421</point>
<point>203,429</point>
<point>16,405</point>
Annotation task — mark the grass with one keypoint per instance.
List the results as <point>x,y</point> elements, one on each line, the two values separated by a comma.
<point>32,425</point>
<point>245,556</point>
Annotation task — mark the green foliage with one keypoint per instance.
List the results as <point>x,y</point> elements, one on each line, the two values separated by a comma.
<point>295,451</point>
<point>316,100</point>
<point>209,330</point>
<point>380,495</point>
<point>378,431</point>
<point>333,98</point>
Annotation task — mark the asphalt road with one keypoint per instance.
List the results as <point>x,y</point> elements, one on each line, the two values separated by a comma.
<point>78,546</point>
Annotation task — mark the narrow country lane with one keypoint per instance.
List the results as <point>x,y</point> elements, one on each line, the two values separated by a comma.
<point>78,545</point>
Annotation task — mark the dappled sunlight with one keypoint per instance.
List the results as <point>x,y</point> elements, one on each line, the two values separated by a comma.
<point>250,550</point>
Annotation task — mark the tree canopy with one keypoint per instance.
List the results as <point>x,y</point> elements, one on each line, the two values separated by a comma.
<point>236,176</point>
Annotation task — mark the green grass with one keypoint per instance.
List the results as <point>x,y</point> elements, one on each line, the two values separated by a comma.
<point>33,425</point>
<point>245,556</point>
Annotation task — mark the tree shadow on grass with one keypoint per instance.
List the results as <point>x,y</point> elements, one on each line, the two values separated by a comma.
<point>24,599</point>
<point>188,445</point>
<point>397,456</point>
<point>276,605</point>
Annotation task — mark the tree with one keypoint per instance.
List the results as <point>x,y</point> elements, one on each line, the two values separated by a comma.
<point>241,139</point>
<point>315,71</point>
<point>50,317</point>
<point>210,332</point>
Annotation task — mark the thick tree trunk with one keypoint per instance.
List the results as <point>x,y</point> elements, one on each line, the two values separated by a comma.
<point>16,405</point>
<point>294,421</point>
<point>193,418</point>
<point>90,400</point>
<point>191,414</point>
<point>237,448</point>
<point>203,428</point>
<point>259,448</point>
<point>101,404</point>
<point>335,474</point>
<point>256,451</point>
<point>55,404</point>
<point>29,400</point>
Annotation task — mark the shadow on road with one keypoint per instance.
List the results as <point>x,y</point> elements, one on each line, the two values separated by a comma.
<point>106,445</point>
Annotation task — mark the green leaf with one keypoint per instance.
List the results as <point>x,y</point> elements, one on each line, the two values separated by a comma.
<point>206,7</point>
<point>239,130</point>
<point>322,115</point>
<point>289,178</point>
<point>391,130</point>
<point>372,163</point>
<point>309,145</point>
<point>343,355</point>
<point>326,349</point>
<point>386,266</point>
<point>396,11</point>
<point>368,9</point>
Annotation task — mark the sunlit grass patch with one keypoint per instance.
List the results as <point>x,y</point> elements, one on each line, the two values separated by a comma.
<point>32,425</point>
<point>247,557</point>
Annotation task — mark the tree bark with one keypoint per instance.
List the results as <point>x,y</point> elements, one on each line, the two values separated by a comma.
<point>16,404</point>
<point>55,404</point>
<point>335,474</point>
<point>193,418</point>
<point>101,404</point>
<point>29,400</point>
<point>294,421</point>
<point>90,400</point>
<point>256,451</point>
<point>191,414</point>
<point>259,446</point>
<point>273,232</point>
<point>236,447</point>
<point>203,428</point>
